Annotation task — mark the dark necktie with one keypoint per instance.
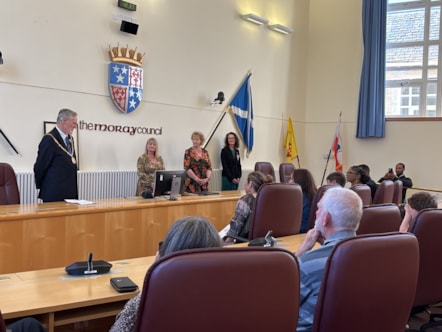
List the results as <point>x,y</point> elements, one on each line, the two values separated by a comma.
<point>68,144</point>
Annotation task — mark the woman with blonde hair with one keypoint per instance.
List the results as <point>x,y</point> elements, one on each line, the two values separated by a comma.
<point>197,165</point>
<point>147,164</point>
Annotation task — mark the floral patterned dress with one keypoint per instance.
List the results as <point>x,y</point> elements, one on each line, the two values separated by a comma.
<point>199,164</point>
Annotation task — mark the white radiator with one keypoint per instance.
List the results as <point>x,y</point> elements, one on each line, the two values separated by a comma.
<point>26,186</point>
<point>215,183</point>
<point>106,184</point>
<point>98,184</point>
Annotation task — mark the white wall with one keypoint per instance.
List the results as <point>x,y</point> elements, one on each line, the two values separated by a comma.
<point>334,63</point>
<point>57,57</point>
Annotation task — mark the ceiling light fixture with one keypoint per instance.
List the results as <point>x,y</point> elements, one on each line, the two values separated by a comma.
<point>255,19</point>
<point>280,28</point>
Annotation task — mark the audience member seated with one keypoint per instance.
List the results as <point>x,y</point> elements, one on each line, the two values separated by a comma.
<point>406,182</point>
<point>373,186</point>
<point>304,178</point>
<point>338,216</point>
<point>416,202</point>
<point>185,233</point>
<point>239,224</point>
<point>355,175</point>
<point>336,178</point>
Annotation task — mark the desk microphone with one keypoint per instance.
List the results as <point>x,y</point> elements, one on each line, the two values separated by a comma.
<point>90,266</point>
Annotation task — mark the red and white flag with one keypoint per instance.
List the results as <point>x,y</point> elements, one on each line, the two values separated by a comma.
<point>337,147</point>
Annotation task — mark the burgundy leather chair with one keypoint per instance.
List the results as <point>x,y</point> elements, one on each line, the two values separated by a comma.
<point>368,285</point>
<point>380,218</point>
<point>9,193</point>
<point>364,192</point>
<point>221,289</point>
<point>278,207</point>
<point>428,229</point>
<point>314,204</point>
<point>397,192</point>
<point>384,193</point>
<point>266,168</point>
<point>285,172</point>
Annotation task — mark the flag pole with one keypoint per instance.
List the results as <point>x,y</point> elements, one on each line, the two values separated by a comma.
<point>326,166</point>
<point>329,152</point>
<point>299,163</point>
<point>223,114</point>
<point>8,141</point>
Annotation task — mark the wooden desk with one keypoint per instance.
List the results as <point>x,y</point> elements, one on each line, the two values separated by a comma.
<point>47,235</point>
<point>59,300</point>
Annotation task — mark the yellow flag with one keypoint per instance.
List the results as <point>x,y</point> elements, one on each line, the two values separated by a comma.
<point>290,142</point>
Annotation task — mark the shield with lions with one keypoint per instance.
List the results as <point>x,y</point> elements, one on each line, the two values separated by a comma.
<point>125,78</point>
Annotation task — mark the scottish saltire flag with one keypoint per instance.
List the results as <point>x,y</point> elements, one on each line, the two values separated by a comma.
<point>242,109</point>
<point>126,86</point>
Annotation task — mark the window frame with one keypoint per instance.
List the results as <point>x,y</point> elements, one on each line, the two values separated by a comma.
<point>422,82</point>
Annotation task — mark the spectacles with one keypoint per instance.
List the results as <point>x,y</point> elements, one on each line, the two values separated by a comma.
<point>351,173</point>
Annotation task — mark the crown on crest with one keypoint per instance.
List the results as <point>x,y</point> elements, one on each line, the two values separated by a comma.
<point>126,55</point>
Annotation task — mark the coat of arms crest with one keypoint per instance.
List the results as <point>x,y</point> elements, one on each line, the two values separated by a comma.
<point>125,78</point>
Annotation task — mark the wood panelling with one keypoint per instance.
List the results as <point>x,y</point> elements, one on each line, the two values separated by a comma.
<point>41,236</point>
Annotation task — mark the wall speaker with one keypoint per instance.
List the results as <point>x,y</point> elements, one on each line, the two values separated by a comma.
<point>129,27</point>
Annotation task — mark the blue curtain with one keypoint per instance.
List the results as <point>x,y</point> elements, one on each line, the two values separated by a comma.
<point>371,114</point>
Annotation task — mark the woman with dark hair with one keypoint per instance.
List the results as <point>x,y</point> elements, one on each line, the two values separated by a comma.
<point>185,233</point>
<point>373,186</point>
<point>239,224</point>
<point>356,175</point>
<point>304,178</point>
<point>231,162</point>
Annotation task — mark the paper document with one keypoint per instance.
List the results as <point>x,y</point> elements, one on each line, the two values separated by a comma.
<point>78,201</point>
<point>224,231</point>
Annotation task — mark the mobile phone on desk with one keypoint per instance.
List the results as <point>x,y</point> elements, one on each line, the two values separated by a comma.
<point>123,284</point>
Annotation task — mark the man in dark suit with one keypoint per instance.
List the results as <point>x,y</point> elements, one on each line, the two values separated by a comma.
<point>55,169</point>
<point>406,181</point>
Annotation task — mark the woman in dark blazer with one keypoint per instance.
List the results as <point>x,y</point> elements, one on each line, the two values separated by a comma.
<point>231,162</point>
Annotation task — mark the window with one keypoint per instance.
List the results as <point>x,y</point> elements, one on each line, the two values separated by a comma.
<point>412,67</point>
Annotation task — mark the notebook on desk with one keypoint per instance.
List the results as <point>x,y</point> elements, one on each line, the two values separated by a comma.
<point>188,194</point>
<point>206,192</point>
